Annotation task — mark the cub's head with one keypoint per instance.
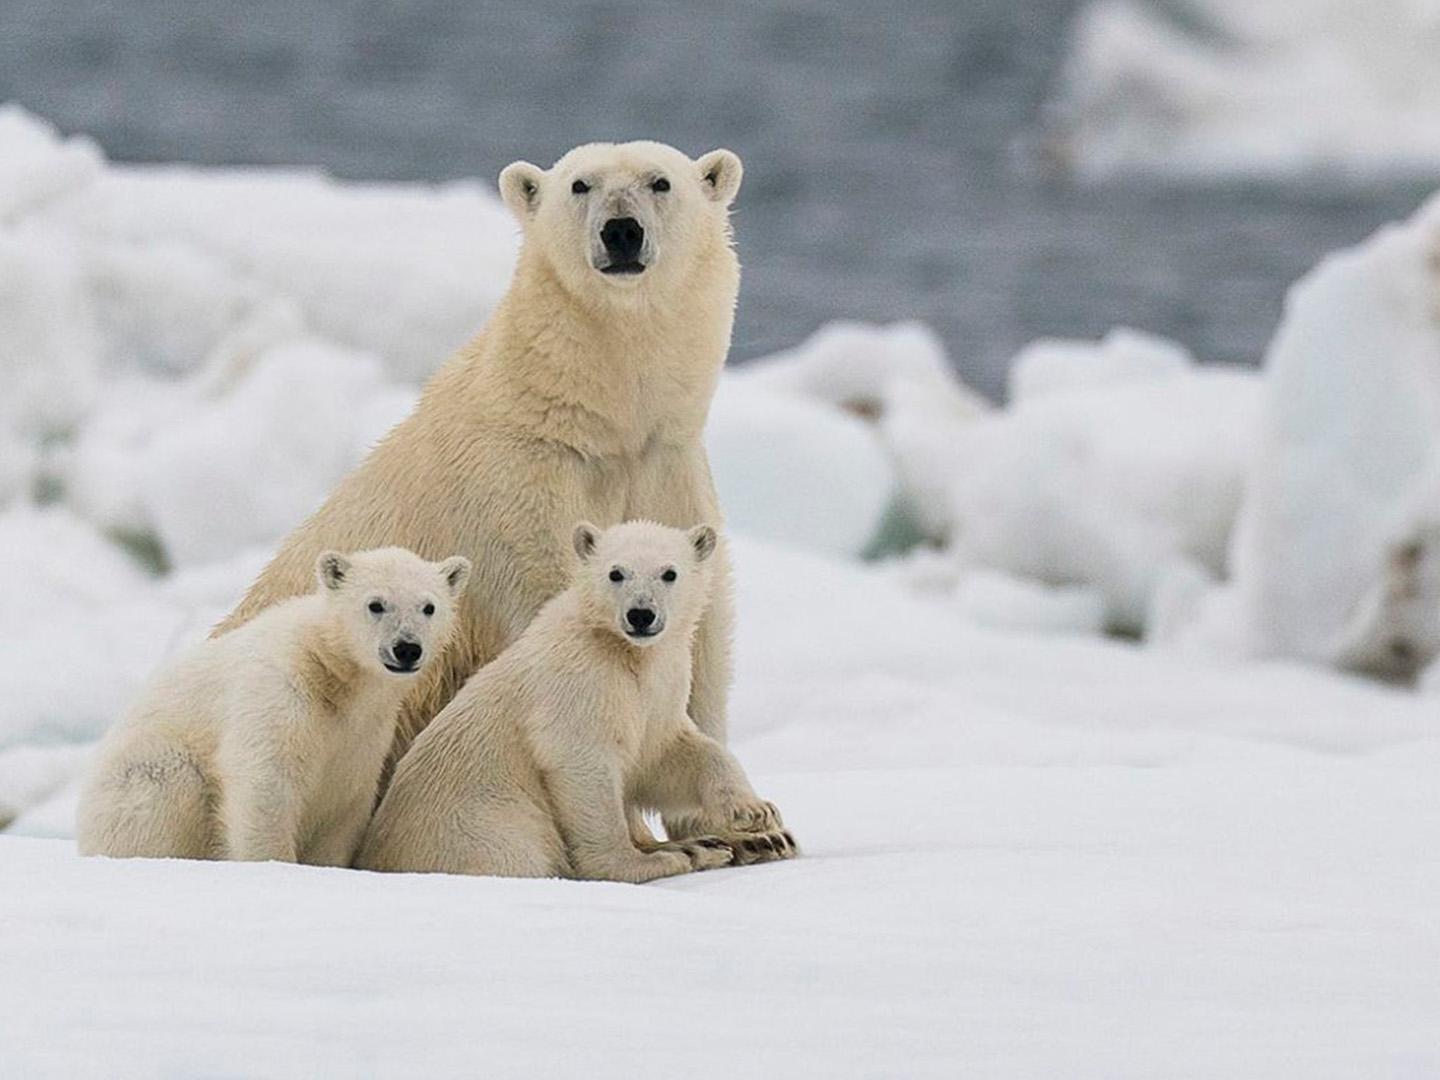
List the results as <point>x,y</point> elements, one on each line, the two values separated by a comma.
<point>396,609</point>
<point>644,581</point>
<point>620,219</point>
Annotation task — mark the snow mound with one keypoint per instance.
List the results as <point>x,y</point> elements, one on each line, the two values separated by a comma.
<point>231,459</point>
<point>1110,487</point>
<point>1230,88</point>
<point>1336,555</point>
<point>896,378</point>
<point>37,165</point>
<point>795,472</point>
<point>1059,365</point>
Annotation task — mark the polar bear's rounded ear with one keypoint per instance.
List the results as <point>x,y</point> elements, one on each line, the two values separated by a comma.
<point>720,173</point>
<point>520,187</point>
<point>585,539</point>
<point>332,568</point>
<point>456,572</point>
<point>703,540</point>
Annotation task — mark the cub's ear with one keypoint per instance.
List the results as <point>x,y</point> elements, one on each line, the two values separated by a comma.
<point>703,540</point>
<point>520,188</point>
<point>584,540</point>
<point>720,173</point>
<point>456,572</point>
<point>332,568</point>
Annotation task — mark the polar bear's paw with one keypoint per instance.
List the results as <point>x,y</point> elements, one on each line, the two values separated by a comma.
<point>758,834</point>
<point>755,816</point>
<point>704,852</point>
<point>757,847</point>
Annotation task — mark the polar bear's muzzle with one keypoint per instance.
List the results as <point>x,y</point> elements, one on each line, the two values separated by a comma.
<point>624,241</point>
<point>643,622</point>
<point>402,658</point>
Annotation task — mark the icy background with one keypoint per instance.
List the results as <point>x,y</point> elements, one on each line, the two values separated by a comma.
<point>1108,717</point>
<point>906,164</point>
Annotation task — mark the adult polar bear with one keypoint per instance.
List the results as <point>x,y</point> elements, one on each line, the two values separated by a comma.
<point>583,398</point>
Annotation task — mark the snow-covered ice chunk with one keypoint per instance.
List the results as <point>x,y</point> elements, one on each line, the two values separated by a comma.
<point>1057,365</point>
<point>896,377</point>
<point>257,461</point>
<point>1336,555</point>
<point>856,365</point>
<point>48,343</point>
<point>1227,88</point>
<point>407,272</point>
<point>37,166</point>
<point>796,472</point>
<point>92,631</point>
<point>233,458</point>
<point>1110,486</point>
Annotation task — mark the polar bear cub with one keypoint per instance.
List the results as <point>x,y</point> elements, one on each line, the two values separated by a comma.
<point>267,743</point>
<point>545,762</point>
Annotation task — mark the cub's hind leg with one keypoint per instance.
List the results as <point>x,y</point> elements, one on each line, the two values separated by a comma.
<point>155,802</point>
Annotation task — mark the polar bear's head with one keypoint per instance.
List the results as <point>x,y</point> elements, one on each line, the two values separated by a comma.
<point>395,609</point>
<point>618,219</point>
<point>643,580</point>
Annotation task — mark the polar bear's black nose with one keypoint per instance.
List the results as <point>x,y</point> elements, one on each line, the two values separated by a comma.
<point>407,653</point>
<point>622,237</point>
<point>640,618</point>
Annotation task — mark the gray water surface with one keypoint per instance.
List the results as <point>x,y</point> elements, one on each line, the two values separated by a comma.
<point>888,173</point>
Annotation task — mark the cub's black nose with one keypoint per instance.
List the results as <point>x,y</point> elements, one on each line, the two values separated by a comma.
<point>622,237</point>
<point>640,618</point>
<point>408,652</point>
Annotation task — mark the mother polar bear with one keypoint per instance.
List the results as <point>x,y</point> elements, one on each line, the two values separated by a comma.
<point>583,398</point>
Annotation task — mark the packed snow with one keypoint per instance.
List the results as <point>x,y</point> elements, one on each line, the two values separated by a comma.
<point>1023,856</point>
<point>1030,848</point>
<point>1231,88</point>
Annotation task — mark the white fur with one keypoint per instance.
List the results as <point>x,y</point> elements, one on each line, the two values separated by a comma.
<point>545,762</point>
<point>267,743</point>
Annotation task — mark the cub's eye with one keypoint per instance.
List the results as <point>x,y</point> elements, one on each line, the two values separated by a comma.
<point>616,575</point>
<point>660,185</point>
<point>376,606</point>
<point>669,575</point>
<point>428,609</point>
<point>579,187</point>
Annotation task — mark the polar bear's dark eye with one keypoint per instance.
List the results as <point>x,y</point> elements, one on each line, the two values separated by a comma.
<point>579,187</point>
<point>428,609</point>
<point>616,575</point>
<point>377,607</point>
<point>669,575</point>
<point>660,185</point>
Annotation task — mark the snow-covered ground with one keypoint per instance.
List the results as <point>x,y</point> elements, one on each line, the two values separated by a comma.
<point>1222,89</point>
<point>1023,857</point>
<point>1030,848</point>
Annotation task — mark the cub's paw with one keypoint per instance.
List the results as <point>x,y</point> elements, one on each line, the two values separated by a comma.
<point>704,852</point>
<point>759,847</point>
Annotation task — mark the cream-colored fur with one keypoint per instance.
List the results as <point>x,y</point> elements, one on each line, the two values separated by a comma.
<point>545,762</point>
<point>584,397</point>
<point>268,743</point>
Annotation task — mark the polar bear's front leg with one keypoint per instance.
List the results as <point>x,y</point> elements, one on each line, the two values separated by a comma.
<point>593,820</point>
<point>261,818</point>
<point>702,785</point>
<point>710,670</point>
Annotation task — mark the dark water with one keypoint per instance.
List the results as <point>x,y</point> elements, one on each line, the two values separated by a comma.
<point>887,174</point>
